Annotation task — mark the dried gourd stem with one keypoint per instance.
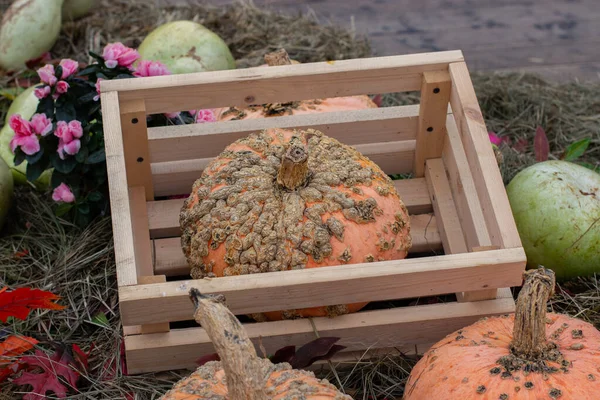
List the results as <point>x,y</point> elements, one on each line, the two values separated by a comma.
<point>294,166</point>
<point>529,333</point>
<point>279,57</point>
<point>245,372</point>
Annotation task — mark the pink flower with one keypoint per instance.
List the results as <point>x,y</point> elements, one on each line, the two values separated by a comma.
<point>62,87</point>
<point>62,193</point>
<point>42,92</point>
<point>118,54</point>
<point>206,115</point>
<point>172,115</point>
<point>41,124</point>
<point>98,89</point>
<point>69,67</point>
<point>151,68</point>
<point>70,148</point>
<point>46,74</point>
<point>19,125</point>
<point>24,137</point>
<point>68,135</point>
<point>497,140</point>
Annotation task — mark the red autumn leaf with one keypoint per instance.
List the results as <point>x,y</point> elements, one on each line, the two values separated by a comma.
<point>81,357</point>
<point>521,145</point>
<point>318,349</point>
<point>19,302</point>
<point>541,147</point>
<point>58,364</point>
<point>21,254</point>
<point>209,357</point>
<point>10,349</point>
<point>377,99</point>
<point>285,354</point>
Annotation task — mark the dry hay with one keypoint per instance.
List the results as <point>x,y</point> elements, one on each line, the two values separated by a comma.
<point>79,265</point>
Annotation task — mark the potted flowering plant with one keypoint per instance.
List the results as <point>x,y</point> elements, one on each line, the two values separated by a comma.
<point>66,133</point>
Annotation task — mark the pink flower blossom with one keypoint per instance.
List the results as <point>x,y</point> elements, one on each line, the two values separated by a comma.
<point>69,67</point>
<point>497,140</point>
<point>98,89</point>
<point>68,135</point>
<point>42,92</point>
<point>151,68</point>
<point>46,74</point>
<point>62,193</point>
<point>172,115</point>
<point>118,54</point>
<point>24,136</point>
<point>205,115</point>
<point>41,124</point>
<point>62,87</point>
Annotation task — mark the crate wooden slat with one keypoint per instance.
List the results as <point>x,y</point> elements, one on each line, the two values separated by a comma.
<point>464,237</point>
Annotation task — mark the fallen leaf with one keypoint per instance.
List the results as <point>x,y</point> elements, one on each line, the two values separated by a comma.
<point>378,99</point>
<point>315,350</point>
<point>10,350</point>
<point>80,357</point>
<point>18,303</point>
<point>21,253</point>
<point>206,358</point>
<point>58,364</point>
<point>284,354</point>
<point>541,147</point>
<point>521,145</point>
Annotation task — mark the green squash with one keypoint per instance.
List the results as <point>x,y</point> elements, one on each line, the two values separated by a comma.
<point>186,47</point>
<point>25,105</point>
<point>556,206</point>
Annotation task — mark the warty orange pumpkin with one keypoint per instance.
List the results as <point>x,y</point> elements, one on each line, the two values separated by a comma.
<point>528,355</point>
<point>285,199</point>
<point>281,57</point>
<point>242,375</point>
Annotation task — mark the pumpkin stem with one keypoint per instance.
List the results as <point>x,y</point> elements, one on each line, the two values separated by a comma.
<point>293,171</point>
<point>279,57</point>
<point>529,333</point>
<point>245,372</point>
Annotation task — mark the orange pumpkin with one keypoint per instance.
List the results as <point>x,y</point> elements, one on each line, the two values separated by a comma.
<point>242,374</point>
<point>284,199</point>
<point>529,355</point>
<point>280,57</point>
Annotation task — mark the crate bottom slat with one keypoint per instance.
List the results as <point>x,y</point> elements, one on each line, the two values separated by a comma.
<point>180,348</point>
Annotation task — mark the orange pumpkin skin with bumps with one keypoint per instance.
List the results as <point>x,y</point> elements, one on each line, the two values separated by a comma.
<point>209,382</point>
<point>483,362</point>
<point>240,219</point>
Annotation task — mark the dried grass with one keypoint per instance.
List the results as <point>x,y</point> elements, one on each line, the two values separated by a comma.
<point>79,265</point>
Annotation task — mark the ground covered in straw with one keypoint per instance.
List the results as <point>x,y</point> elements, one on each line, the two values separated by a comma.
<point>39,250</point>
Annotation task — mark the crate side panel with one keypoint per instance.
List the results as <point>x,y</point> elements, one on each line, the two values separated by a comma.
<point>170,261</point>
<point>463,188</point>
<point>261,85</point>
<point>351,127</point>
<point>482,161</point>
<point>394,327</point>
<point>314,287</point>
<point>118,191</point>
<point>178,177</point>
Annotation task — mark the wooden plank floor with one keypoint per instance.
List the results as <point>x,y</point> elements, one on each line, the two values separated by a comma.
<point>559,39</point>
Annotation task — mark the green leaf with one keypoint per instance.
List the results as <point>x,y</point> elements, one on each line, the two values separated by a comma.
<point>34,171</point>
<point>65,166</point>
<point>66,112</point>
<point>19,156</point>
<point>576,150</point>
<point>58,72</point>
<point>34,158</point>
<point>81,155</point>
<point>96,157</point>
<point>62,209</point>
<point>100,319</point>
<point>95,196</point>
<point>84,208</point>
<point>46,106</point>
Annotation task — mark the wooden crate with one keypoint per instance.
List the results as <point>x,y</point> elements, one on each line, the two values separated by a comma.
<point>456,199</point>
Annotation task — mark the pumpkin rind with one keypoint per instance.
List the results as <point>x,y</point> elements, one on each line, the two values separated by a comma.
<point>208,382</point>
<point>488,361</point>
<point>239,220</point>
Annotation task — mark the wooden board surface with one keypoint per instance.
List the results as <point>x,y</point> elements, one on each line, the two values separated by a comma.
<point>261,85</point>
<point>407,325</point>
<point>314,287</point>
<point>556,38</point>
